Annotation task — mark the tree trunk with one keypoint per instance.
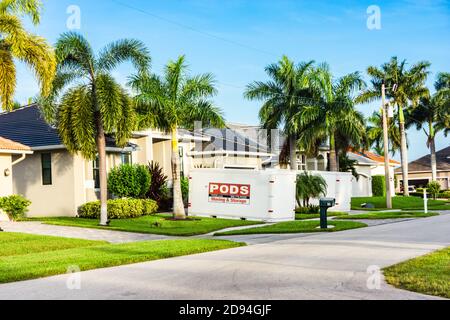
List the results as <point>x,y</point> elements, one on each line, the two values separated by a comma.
<point>101,147</point>
<point>403,152</point>
<point>333,159</point>
<point>178,205</point>
<point>433,157</point>
<point>293,153</point>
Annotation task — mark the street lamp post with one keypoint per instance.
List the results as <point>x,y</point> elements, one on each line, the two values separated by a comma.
<point>386,148</point>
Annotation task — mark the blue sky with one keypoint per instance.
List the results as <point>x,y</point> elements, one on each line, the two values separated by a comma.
<point>236,39</point>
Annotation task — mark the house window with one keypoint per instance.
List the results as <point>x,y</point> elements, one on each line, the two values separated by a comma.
<point>46,165</point>
<point>126,158</point>
<point>96,172</point>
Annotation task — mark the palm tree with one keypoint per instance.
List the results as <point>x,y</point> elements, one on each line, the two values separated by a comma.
<point>94,104</point>
<point>172,101</point>
<point>17,43</point>
<point>309,186</point>
<point>375,134</point>
<point>333,116</point>
<point>434,113</point>
<point>405,88</point>
<point>284,95</point>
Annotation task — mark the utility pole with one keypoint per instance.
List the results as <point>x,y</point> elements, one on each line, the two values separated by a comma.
<point>386,148</point>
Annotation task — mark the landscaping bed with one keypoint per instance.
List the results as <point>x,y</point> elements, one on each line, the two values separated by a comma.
<point>55,255</point>
<point>429,274</point>
<point>296,227</point>
<point>160,224</point>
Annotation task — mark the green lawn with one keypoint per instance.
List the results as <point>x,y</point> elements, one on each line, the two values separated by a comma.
<point>296,227</point>
<point>429,274</point>
<point>147,225</point>
<point>299,216</point>
<point>399,202</point>
<point>89,254</point>
<point>388,215</point>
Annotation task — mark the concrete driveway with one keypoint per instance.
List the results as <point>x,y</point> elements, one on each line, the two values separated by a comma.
<point>320,266</point>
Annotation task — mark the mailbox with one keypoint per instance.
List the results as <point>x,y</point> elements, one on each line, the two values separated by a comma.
<point>325,203</point>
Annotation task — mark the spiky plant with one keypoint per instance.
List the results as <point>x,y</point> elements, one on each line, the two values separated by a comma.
<point>86,101</point>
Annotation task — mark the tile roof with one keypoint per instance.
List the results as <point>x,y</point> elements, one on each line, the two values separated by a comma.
<point>424,164</point>
<point>373,156</point>
<point>6,144</point>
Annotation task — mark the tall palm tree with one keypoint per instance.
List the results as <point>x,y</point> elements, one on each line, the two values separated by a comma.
<point>17,43</point>
<point>374,131</point>
<point>86,102</point>
<point>333,117</point>
<point>433,112</point>
<point>172,101</point>
<point>405,88</point>
<point>284,95</point>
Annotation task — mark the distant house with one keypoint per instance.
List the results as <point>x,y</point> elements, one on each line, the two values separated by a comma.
<point>419,171</point>
<point>369,164</point>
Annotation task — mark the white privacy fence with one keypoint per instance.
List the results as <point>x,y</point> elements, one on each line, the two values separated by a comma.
<point>266,195</point>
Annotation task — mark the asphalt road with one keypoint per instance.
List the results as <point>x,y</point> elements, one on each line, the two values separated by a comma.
<point>319,266</point>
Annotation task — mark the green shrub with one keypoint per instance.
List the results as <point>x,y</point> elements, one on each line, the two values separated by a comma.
<point>311,209</point>
<point>15,206</point>
<point>131,181</point>
<point>379,186</point>
<point>119,209</point>
<point>445,194</point>
<point>185,189</point>
<point>434,188</point>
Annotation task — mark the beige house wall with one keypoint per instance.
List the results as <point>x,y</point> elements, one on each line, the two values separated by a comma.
<point>57,199</point>
<point>6,186</point>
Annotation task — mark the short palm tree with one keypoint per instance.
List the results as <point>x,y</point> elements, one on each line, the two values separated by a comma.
<point>333,117</point>
<point>283,96</point>
<point>86,102</point>
<point>309,186</point>
<point>172,101</point>
<point>405,87</point>
<point>375,134</point>
<point>432,115</point>
<point>17,43</point>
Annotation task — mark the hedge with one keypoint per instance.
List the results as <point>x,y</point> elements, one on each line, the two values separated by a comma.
<point>119,209</point>
<point>128,180</point>
<point>379,186</point>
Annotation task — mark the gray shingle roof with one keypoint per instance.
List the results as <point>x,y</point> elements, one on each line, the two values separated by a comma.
<point>27,126</point>
<point>424,164</point>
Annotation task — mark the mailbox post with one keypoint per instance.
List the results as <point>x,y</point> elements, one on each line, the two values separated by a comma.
<point>325,204</point>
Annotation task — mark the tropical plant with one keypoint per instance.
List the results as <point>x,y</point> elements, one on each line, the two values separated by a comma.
<point>185,190</point>
<point>308,187</point>
<point>159,180</point>
<point>283,96</point>
<point>434,188</point>
<point>404,87</point>
<point>348,165</point>
<point>15,206</point>
<point>129,181</point>
<point>375,138</point>
<point>379,186</point>
<point>333,117</point>
<point>172,101</point>
<point>119,209</point>
<point>432,115</point>
<point>17,43</point>
<point>87,103</point>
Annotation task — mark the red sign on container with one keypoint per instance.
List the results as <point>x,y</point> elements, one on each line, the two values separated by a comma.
<point>229,193</point>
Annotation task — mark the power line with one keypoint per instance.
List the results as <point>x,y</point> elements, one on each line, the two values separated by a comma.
<point>183,26</point>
